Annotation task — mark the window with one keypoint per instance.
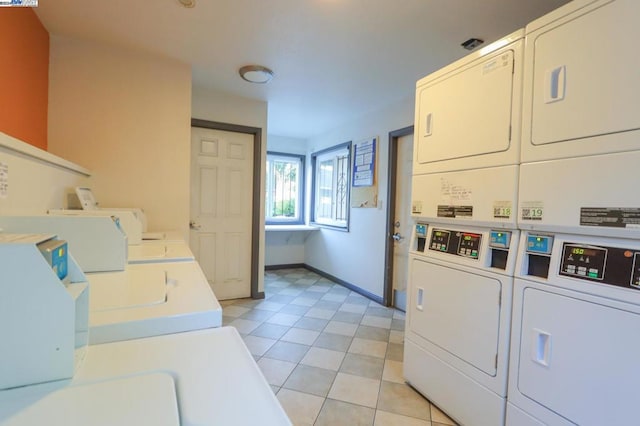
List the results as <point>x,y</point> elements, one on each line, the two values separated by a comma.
<point>285,189</point>
<point>331,186</point>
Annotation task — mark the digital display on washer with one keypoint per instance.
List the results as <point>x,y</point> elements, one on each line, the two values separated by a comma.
<point>440,240</point>
<point>605,265</point>
<point>458,243</point>
<point>469,245</point>
<point>584,261</point>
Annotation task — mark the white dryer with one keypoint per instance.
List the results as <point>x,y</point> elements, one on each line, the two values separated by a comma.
<point>581,84</point>
<point>467,114</point>
<point>458,319</point>
<point>581,130</point>
<point>576,313</point>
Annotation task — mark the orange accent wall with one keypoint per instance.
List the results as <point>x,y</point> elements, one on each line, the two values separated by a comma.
<point>24,76</point>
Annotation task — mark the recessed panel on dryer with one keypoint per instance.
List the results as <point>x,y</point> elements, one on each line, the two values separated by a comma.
<point>581,84</point>
<point>593,195</point>
<point>465,111</point>
<point>479,197</point>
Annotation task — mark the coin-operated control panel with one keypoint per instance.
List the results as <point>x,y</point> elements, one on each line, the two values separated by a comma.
<point>420,237</point>
<point>459,243</point>
<point>601,264</point>
<point>499,243</point>
<point>538,251</point>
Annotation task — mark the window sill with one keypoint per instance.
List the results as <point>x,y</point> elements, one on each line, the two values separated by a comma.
<point>290,228</point>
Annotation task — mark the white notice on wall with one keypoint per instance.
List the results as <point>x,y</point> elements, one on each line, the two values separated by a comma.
<point>4,180</point>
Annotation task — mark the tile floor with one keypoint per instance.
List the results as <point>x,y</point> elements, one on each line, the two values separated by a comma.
<point>331,356</point>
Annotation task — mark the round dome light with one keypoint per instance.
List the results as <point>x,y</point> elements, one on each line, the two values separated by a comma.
<point>256,74</point>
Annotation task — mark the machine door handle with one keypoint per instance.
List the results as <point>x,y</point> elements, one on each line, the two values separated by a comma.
<point>397,237</point>
<point>195,225</point>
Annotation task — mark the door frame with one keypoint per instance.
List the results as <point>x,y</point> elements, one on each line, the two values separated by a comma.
<point>392,176</point>
<point>256,132</point>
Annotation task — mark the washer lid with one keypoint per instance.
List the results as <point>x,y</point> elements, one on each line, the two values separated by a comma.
<point>134,287</point>
<point>111,402</point>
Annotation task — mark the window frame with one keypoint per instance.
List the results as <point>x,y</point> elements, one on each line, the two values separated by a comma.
<point>300,220</point>
<point>333,223</point>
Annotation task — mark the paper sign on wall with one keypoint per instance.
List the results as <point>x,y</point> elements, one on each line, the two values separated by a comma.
<point>364,162</point>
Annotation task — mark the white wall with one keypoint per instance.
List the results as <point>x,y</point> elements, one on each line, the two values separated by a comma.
<point>287,145</point>
<point>125,115</point>
<point>37,180</point>
<point>224,108</point>
<point>283,247</point>
<point>358,256</point>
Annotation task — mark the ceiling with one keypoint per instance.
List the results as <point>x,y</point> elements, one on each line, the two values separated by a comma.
<point>334,60</point>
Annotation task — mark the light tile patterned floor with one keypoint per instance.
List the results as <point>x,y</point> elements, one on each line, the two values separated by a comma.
<point>331,356</point>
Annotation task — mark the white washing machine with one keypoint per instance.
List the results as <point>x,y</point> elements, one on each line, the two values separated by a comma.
<point>48,374</point>
<point>458,319</point>
<point>581,85</point>
<point>150,251</point>
<point>128,301</point>
<point>149,300</point>
<point>576,312</point>
<point>467,114</point>
<point>204,377</point>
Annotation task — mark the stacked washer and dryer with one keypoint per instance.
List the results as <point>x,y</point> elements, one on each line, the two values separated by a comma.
<point>571,330</point>
<point>576,300</point>
<point>462,259</point>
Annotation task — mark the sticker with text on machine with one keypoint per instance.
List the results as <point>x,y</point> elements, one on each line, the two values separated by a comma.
<point>531,210</point>
<point>502,209</point>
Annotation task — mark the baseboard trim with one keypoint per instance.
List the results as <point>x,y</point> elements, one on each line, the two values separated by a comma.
<point>287,266</point>
<point>346,284</point>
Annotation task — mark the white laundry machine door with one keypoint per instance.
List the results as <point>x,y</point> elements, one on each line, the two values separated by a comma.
<point>457,339</point>
<point>573,356</point>
<point>581,85</point>
<point>465,111</point>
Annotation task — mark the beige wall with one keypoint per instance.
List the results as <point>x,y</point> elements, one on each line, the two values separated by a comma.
<point>217,106</point>
<point>125,115</point>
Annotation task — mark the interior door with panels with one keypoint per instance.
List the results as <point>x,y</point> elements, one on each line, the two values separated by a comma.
<point>221,209</point>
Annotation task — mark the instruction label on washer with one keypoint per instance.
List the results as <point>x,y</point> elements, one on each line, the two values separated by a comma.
<point>455,211</point>
<point>532,210</point>
<point>612,217</point>
<point>4,180</point>
<point>416,207</point>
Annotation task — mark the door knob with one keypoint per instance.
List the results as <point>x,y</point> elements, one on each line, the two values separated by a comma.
<point>397,237</point>
<point>194,225</point>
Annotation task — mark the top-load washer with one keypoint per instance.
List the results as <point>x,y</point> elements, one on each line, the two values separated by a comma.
<point>581,85</point>
<point>204,377</point>
<point>467,114</point>
<point>48,374</point>
<point>128,301</point>
<point>458,319</point>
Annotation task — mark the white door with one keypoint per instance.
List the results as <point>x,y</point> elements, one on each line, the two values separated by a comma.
<point>402,221</point>
<point>221,209</point>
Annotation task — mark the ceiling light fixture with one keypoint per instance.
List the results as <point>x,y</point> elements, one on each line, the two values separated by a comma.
<point>188,3</point>
<point>256,74</point>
